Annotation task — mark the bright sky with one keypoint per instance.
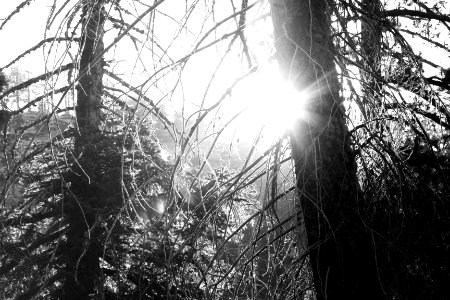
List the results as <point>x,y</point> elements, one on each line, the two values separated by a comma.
<point>25,30</point>
<point>259,94</point>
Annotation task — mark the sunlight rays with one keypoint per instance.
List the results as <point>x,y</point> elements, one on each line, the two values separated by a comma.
<point>271,104</point>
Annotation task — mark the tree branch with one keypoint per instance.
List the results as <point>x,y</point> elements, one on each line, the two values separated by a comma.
<point>416,13</point>
<point>36,79</point>
<point>38,45</point>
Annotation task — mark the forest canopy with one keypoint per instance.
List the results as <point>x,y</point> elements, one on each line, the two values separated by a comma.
<point>282,149</point>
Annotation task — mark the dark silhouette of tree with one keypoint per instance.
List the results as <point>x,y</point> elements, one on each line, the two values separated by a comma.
<point>85,198</point>
<point>402,144</point>
<point>3,82</point>
<point>340,250</point>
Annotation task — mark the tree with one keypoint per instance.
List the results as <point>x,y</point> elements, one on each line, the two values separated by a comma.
<point>371,43</point>
<point>3,82</point>
<point>83,265</point>
<point>82,235</point>
<point>406,255</point>
<point>404,112</point>
<point>4,115</point>
<point>88,185</point>
<point>340,249</point>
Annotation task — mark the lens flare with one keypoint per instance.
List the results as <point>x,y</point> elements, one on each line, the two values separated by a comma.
<point>271,104</point>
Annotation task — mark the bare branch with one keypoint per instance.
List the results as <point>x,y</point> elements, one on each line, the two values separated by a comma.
<point>37,46</point>
<point>37,79</point>
<point>16,11</point>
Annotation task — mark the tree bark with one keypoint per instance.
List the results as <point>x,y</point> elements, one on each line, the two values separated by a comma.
<point>90,87</point>
<point>83,239</point>
<point>341,254</point>
<point>371,39</point>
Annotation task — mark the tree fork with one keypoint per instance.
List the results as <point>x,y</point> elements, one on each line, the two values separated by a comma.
<point>341,254</point>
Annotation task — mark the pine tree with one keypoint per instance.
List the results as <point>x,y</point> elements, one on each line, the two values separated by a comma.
<point>340,250</point>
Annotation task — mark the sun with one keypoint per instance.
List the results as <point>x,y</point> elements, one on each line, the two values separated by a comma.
<point>271,105</point>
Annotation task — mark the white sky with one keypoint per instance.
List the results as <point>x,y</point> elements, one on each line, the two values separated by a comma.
<point>27,28</point>
<point>23,31</point>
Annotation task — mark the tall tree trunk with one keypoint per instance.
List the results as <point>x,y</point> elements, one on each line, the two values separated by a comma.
<point>371,38</point>
<point>84,246</point>
<point>341,254</point>
<point>90,88</point>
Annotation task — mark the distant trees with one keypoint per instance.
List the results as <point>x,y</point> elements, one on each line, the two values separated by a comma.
<point>3,82</point>
<point>15,77</point>
<point>4,116</point>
